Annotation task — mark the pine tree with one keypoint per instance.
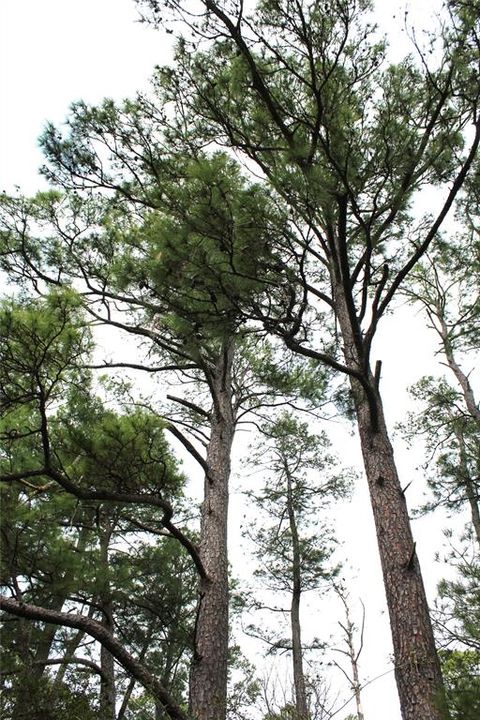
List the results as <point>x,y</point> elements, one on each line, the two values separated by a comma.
<point>293,547</point>
<point>349,142</point>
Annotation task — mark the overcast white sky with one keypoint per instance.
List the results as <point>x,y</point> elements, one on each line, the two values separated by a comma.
<point>53,52</point>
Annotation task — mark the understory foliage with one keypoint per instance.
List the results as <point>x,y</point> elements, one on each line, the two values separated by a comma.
<point>63,545</point>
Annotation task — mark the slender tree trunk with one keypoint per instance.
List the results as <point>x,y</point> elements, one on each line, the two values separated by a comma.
<point>417,669</point>
<point>126,697</point>
<point>297,652</point>
<point>470,489</point>
<point>107,663</point>
<point>357,689</point>
<point>474,411</point>
<point>472,496</point>
<point>69,653</point>
<point>168,673</point>
<point>26,690</point>
<point>353,654</point>
<point>208,677</point>
<point>131,685</point>
<point>463,380</point>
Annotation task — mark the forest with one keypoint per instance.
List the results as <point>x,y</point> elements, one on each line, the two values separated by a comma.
<point>193,310</point>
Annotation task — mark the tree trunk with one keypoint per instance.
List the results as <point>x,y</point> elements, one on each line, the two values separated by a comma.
<point>107,663</point>
<point>208,676</point>
<point>417,669</point>
<point>69,652</point>
<point>297,652</point>
<point>463,380</point>
<point>169,663</point>
<point>472,496</point>
<point>349,630</point>
<point>468,483</point>
<point>107,680</point>
<point>357,689</point>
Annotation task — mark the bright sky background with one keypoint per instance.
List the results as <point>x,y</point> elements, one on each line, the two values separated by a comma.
<point>53,52</point>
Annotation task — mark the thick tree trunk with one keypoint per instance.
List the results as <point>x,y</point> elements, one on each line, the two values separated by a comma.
<point>297,652</point>
<point>417,669</point>
<point>208,677</point>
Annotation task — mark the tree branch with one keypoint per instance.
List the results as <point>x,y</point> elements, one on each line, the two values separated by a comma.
<point>188,446</point>
<point>106,639</point>
<point>189,405</point>
<point>423,247</point>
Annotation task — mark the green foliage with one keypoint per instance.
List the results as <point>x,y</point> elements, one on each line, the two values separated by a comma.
<point>59,438</point>
<point>461,673</point>
<point>183,236</point>
<point>451,439</point>
<point>177,243</point>
<point>288,712</point>
<point>49,406</point>
<point>458,608</point>
<point>293,544</point>
<point>244,686</point>
<point>125,453</point>
<point>44,700</point>
<point>287,374</point>
<point>346,139</point>
<point>449,295</point>
<point>202,253</point>
<point>42,340</point>
<point>448,419</point>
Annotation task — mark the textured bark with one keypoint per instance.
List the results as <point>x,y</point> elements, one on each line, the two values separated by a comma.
<point>297,653</point>
<point>107,681</point>
<point>417,668</point>
<point>208,677</point>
